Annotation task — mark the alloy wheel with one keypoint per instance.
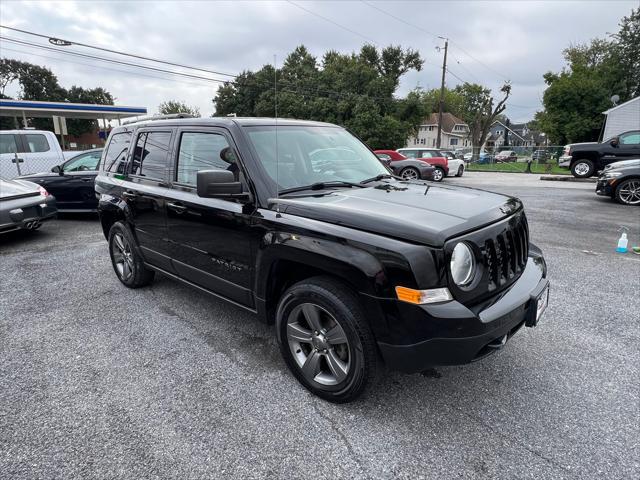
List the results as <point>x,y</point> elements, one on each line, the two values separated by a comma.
<point>629,192</point>
<point>318,344</point>
<point>438,175</point>
<point>410,174</point>
<point>122,256</point>
<point>582,169</point>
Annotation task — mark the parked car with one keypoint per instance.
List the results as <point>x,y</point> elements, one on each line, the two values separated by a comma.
<point>24,205</point>
<point>621,183</point>
<point>455,166</point>
<point>483,158</point>
<point>35,151</point>
<point>585,159</point>
<point>72,182</point>
<point>540,156</point>
<point>506,156</point>
<point>440,162</point>
<point>407,168</point>
<point>349,263</point>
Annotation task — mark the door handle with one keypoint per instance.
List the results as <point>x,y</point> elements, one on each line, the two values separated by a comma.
<point>177,207</point>
<point>129,195</point>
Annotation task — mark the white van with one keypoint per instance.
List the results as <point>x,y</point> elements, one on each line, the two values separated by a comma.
<point>29,151</point>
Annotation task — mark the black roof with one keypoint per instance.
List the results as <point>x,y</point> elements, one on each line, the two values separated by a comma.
<point>228,121</point>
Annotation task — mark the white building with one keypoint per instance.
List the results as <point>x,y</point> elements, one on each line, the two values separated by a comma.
<point>622,118</point>
<point>455,133</point>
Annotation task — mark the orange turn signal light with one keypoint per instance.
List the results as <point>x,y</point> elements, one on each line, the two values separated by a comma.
<point>420,297</point>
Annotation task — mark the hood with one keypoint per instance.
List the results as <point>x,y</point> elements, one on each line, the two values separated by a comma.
<point>423,213</point>
<point>623,164</point>
<point>17,188</point>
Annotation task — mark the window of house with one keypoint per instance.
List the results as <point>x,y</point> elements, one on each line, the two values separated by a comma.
<point>203,151</point>
<point>422,141</point>
<point>453,141</point>
<point>115,157</point>
<point>150,155</point>
<point>37,143</point>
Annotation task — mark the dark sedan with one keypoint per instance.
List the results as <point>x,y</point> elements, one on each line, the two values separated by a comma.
<point>408,169</point>
<point>72,183</point>
<point>24,205</point>
<point>621,184</point>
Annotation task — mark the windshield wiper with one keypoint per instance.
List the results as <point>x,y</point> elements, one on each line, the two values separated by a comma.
<point>377,178</point>
<point>320,186</point>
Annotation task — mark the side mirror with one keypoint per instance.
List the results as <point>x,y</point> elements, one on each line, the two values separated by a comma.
<point>219,184</point>
<point>614,141</point>
<point>57,169</point>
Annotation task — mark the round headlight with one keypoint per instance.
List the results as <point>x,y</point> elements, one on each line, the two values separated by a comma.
<point>463,264</point>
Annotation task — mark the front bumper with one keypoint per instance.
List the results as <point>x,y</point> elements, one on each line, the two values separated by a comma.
<point>426,173</point>
<point>604,188</point>
<point>565,161</point>
<point>457,334</point>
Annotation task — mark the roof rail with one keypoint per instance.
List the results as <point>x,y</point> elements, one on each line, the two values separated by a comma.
<point>159,117</point>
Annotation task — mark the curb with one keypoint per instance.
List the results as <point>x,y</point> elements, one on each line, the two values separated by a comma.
<point>567,178</point>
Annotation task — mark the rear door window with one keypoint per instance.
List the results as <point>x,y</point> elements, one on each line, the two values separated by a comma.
<point>115,157</point>
<point>36,143</point>
<point>151,154</point>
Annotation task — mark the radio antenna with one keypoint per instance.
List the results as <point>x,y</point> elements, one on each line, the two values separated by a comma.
<point>275,103</point>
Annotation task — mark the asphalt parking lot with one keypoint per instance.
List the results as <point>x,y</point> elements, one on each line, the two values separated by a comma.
<point>98,381</point>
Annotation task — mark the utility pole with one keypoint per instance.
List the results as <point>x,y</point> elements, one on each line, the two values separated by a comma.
<point>441,106</point>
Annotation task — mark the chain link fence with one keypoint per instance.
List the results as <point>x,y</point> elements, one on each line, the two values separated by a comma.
<point>530,159</point>
<point>13,165</point>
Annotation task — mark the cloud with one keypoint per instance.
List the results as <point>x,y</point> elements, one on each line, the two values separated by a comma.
<point>490,41</point>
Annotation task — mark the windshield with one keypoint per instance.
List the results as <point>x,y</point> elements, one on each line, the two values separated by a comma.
<point>310,154</point>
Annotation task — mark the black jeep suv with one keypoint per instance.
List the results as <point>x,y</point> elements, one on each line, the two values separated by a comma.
<point>300,223</point>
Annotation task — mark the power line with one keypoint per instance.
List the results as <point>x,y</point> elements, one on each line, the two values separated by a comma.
<point>332,22</point>
<point>503,77</point>
<point>104,59</point>
<point>140,57</point>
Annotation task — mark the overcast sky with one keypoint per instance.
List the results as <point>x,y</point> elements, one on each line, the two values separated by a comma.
<point>490,41</point>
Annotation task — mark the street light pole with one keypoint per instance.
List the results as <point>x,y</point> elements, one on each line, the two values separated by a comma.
<point>441,103</point>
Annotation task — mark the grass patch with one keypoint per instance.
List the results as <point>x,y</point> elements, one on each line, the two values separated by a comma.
<point>549,169</point>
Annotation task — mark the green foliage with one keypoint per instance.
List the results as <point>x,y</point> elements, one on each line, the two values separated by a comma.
<point>174,106</point>
<point>577,96</point>
<point>40,83</point>
<point>355,90</point>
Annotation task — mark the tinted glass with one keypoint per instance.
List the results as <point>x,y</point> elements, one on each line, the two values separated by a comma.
<point>203,151</point>
<point>309,154</point>
<point>8,144</point>
<point>150,155</point>
<point>36,143</point>
<point>115,158</point>
<point>81,163</point>
<point>409,153</point>
<point>631,138</point>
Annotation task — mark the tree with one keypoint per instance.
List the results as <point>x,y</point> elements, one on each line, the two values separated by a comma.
<point>595,72</point>
<point>479,112</point>
<point>174,106</point>
<point>355,90</point>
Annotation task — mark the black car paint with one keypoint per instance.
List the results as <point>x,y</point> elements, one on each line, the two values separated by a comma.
<point>391,233</point>
<point>74,191</point>
<point>606,187</point>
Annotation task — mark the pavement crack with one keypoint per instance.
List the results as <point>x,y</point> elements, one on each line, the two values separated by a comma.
<point>334,427</point>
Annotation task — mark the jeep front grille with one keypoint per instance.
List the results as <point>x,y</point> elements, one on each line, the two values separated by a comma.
<point>505,255</point>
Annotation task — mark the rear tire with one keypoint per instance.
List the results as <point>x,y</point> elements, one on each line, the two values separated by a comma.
<point>582,168</point>
<point>410,173</point>
<point>438,174</point>
<point>126,259</point>
<point>325,340</point>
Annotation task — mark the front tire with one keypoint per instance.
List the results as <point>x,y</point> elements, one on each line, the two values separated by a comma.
<point>126,259</point>
<point>438,174</point>
<point>582,168</point>
<point>628,192</point>
<point>460,171</point>
<point>325,340</point>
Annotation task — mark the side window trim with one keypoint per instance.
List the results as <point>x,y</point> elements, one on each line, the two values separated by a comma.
<point>170,153</point>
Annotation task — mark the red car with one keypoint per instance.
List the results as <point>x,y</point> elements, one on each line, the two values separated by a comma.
<point>441,164</point>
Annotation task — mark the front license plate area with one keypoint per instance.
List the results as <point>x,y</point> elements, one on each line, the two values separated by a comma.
<point>539,303</point>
